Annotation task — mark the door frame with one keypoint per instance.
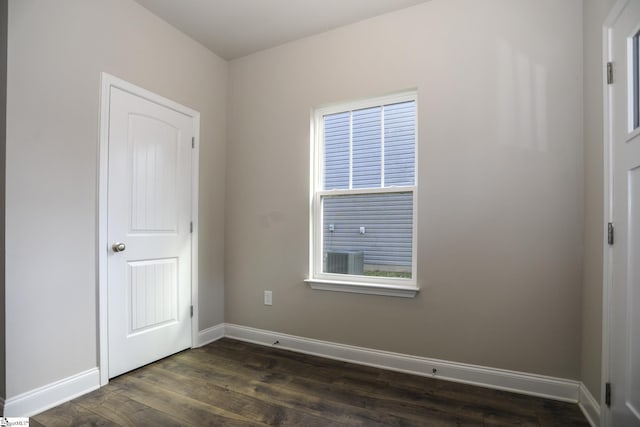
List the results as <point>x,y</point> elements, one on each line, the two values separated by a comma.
<point>607,280</point>
<point>109,81</point>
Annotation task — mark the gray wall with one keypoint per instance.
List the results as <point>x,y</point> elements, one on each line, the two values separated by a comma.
<point>500,182</point>
<point>595,12</point>
<point>56,53</point>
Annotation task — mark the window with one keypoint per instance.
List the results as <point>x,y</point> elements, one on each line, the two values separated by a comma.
<point>363,215</point>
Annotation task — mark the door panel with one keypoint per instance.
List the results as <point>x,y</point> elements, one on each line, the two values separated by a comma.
<point>149,211</point>
<point>154,179</point>
<point>631,407</point>
<point>152,289</point>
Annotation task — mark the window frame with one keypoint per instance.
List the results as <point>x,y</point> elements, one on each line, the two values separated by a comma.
<point>388,286</point>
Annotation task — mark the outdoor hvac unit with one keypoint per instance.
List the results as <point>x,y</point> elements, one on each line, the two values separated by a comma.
<point>345,262</point>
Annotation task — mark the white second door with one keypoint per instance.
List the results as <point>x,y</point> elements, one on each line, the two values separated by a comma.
<point>149,238</point>
<point>624,297</point>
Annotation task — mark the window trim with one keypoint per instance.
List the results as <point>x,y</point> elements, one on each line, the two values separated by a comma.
<point>399,287</point>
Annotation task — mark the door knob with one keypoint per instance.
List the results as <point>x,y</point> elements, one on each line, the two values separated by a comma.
<point>118,247</point>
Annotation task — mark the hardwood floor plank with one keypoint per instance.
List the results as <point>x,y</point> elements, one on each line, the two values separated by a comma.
<point>70,414</point>
<point>181,406</point>
<point>270,389</point>
<point>560,414</point>
<point>220,400</point>
<point>355,385</point>
<point>125,411</point>
<point>360,400</point>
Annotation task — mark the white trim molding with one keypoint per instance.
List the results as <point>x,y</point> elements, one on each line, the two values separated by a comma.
<point>209,335</point>
<point>519,382</point>
<point>363,288</point>
<point>589,406</point>
<point>54,394</point>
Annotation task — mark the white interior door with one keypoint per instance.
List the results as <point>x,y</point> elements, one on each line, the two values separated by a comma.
<point>148,231</point>
<point>624,296</point>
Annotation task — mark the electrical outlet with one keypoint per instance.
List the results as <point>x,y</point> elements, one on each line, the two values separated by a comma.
<point>268,298</point>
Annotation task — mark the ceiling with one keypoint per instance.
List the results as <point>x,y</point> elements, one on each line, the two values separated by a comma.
<point>235,28</point>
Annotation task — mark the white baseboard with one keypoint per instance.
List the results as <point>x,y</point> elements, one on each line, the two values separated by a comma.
<point>210,335</point>
<point>50,395</point>
<point>43,398</point>
<point>519,382</point>
<point>589,406</point>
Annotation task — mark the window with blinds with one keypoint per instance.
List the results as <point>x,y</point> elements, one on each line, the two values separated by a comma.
<point>364,192</point>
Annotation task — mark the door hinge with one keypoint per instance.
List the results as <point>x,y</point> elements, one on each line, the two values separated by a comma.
<point>193,142</point>
<point>607,394</point>
<point>191,311</point>
<point>609,73</point>
<point>191,227</point>
<point>610,233</point>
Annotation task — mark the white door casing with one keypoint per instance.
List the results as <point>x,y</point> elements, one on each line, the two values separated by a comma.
<point>621,361</point>
<point>148,202</point>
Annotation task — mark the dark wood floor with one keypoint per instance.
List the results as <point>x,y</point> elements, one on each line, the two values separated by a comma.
<point>231,383</point>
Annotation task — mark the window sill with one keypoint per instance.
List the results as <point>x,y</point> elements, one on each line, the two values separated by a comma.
<point>363,288</point>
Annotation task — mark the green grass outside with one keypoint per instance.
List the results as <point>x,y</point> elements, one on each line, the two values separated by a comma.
<point>378,273</point>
